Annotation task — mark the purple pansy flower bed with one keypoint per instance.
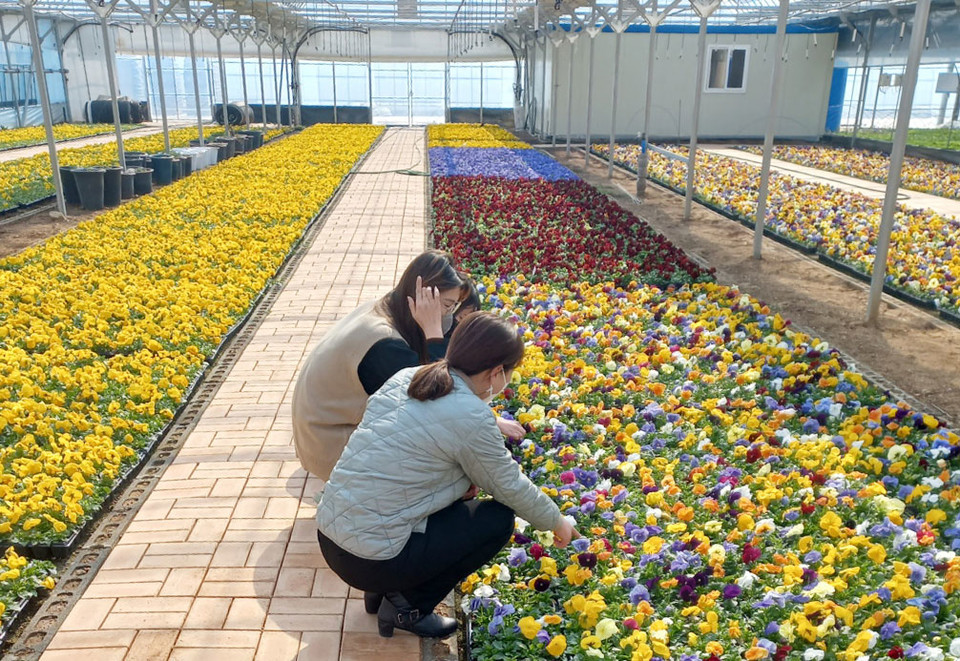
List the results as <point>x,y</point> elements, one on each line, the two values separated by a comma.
<point>497,162</point>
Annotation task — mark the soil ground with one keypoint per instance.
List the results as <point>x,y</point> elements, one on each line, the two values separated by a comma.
<point>909,348</point>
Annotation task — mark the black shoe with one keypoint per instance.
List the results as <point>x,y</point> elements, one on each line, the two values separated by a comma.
<point>371,602</point>
<point>396,613</point>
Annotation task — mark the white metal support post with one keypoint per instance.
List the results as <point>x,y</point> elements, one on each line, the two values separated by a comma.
<point>190,24</point>
<point>572,38</point>
<point>276,82</point>
<point>592,31</point>
<point>110,53</point>
<point>705,10</point>
<point>543,91</point>
<point>154,17</point>
<point>556,38</point>
<point>31,21</point>
<point>258,38</point>
<point>218,31</point>
<point>481,91</point>
<point>241,34</point>
<point>618,25</point>
<point>333,72</point>
<point>772,117</point>
<point>862,96</point>
<point>653,17</point>
<point>920,17</point>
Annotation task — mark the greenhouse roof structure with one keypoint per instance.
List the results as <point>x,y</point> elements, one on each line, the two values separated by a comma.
<point>466,15</point>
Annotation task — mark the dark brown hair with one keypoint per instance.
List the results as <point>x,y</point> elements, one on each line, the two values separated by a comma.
<point>472,297</point>
<point>480,342</point>
<point>436,269</point>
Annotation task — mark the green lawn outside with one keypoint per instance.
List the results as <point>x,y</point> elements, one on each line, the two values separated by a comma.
<point>936,138</point>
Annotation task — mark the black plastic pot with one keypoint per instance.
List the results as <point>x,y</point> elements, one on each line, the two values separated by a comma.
<point>257,138</point>
<point>186,166</point>
<point>127,190</point>
<point>70,193</point>
<point>243,143</point>
<point>177,170</point>
<point>134,159</point>
<point>90,187</point>
<point>231,144</point>
<point>222,150</point>
<point>162,168</point>
<point>143,181</point>
<point>112,180</point>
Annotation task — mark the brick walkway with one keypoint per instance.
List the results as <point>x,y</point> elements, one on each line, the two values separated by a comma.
<point>222,560</point>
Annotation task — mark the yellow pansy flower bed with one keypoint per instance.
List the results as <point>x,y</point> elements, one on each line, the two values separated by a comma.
<point>472,135</point>
<point>104,328</point>
<point>36,135</point>
<point>26,180</point>
<point>20,579</point>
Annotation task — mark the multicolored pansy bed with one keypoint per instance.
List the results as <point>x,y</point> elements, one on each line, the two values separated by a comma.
<point>740,490</point>
<point>924,259</point>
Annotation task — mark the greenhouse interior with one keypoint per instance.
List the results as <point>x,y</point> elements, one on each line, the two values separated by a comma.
<point>407,330</point>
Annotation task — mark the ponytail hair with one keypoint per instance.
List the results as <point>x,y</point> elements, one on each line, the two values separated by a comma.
<point>431,381</point>
<point>480,342</point>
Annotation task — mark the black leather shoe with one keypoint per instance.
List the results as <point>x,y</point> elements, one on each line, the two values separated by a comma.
<point>371,602</point>
<point>396,613</point>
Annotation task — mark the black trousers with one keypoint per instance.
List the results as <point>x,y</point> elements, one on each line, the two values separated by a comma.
<point>459,540</point>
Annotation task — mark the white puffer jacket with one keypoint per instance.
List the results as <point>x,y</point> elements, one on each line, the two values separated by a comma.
<point>409,459</point>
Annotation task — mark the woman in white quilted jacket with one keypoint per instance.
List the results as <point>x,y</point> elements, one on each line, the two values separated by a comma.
<point>393,520</point>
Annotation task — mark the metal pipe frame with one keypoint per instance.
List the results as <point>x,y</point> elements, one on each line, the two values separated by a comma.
<point>333,69</point>
<point>862,96</point>
<point>573,45</point>
<point>154,21</point>
<point>31,21</point>
<point>481,92</point>
<point>705,12</point>
<point>555,87</point>
<point>643,159</point>
<point>586,147</point>
<point>920,19</point>
<point>112,76</point>
<point>543,91</point>
<point>613,102</point>
<point>771,127</point>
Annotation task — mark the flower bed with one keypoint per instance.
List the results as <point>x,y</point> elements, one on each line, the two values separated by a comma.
<point>496,162</point>
<point>472,135</point>
<point>924,260</point>
<point>919,174</point>
<point>36,135</point>
<point>20,580</point>
<point>28,180</point>
<point>741,492</point>
<point>562,231</point>
<point>104,328</point>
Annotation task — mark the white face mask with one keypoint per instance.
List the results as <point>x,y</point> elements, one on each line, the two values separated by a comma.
<point>491,393</point>
<point>446,323</point>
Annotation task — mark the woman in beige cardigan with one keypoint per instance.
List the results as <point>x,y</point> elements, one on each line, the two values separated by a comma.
<point>363,350</point>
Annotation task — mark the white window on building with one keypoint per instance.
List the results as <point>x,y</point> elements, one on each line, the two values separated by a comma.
<point>728,69</point>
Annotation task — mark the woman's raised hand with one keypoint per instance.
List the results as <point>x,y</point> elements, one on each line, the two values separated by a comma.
<point>427,310</point>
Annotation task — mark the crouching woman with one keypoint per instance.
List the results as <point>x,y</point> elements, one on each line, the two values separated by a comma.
<point>397,518</point>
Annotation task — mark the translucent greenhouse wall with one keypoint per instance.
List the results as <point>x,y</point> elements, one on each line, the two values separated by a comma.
<point>886,60</point>
<point>726,113</point>
<point>19,100</point>
<point>404,91</point>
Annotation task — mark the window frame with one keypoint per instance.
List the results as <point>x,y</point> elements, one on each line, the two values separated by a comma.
<point>711,49</point>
